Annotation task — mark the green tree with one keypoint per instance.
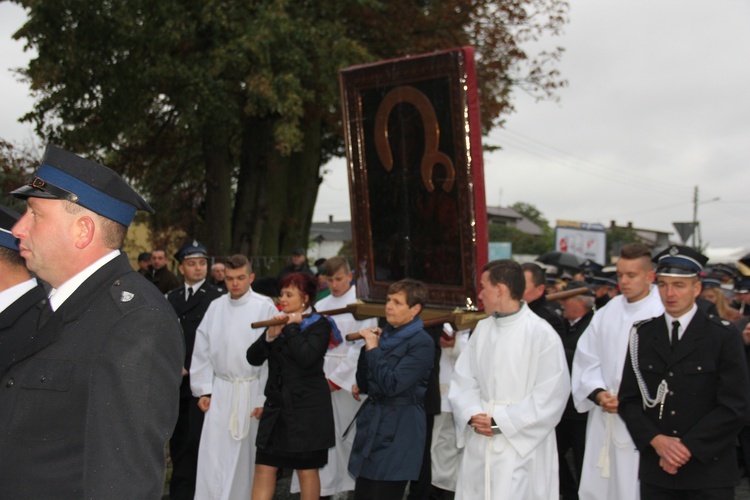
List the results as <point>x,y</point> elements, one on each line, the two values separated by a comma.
<point>16,164</point>
<point>522,242</point>
<point>532,213</point>
<point>619,236</point>
<point>222,113</point>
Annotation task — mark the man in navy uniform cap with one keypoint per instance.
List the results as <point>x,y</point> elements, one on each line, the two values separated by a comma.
<point>742,294</point>
<point>535,298</point>
<point>742,278</point>
<point>298,263</point>
<point>571,431</point>
<point>86,412</point>
<point>20,296</point>
<point>602,285</point>
<point>144,259</point>
<point>684,393</point>
<point>190,302</point>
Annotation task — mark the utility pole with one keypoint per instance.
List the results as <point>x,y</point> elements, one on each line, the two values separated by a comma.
<point>695,218</point>
<point>697,238</point>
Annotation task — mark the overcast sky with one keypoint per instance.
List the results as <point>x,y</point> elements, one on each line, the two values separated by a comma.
<point>658,102</point>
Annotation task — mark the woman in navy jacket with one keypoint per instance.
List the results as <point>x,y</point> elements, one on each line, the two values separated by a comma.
<point>393,370</point>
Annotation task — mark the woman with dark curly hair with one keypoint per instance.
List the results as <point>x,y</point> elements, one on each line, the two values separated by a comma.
<point>296,427</point>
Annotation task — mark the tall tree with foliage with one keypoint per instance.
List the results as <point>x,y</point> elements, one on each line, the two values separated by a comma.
<point>222,112</point>
<point>617,236</point>
<point>521,242</point>
<point>16,164</point>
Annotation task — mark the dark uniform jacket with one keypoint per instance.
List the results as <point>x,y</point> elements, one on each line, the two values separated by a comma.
<point>432,396</point>
<point>708,307</point>
<point>742,307</point>
<point>570,341</point>
<point>17,326</point>
<point>86,409</point>
<point>706,406</point>
<point>600,302</point>
<point>190,313</point>
<point>297,415</point>
<point>542,308</point>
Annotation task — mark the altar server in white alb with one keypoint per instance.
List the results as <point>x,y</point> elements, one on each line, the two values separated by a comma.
<point>610,461</point>
<point>446,456</point>
<point>508,393</point>
<point>229,388</point>
<point>340,367</point>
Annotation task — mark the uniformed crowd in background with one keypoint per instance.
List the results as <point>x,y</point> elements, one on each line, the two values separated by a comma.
<point>593,382</point>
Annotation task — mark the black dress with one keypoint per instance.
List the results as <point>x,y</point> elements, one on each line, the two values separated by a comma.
<point>296,428</point>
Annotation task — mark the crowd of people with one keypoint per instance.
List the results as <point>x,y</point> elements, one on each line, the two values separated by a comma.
<point>625,384</point>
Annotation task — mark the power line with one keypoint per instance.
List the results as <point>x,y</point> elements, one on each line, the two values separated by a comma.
<point>651,210</point>
<point>728,214</point>
<point>663,187</point>
<point>630,181</point>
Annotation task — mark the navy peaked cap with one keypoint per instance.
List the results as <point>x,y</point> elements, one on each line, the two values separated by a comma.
<point>709,283</point>
<point>191,250</point>
<point>597,281</point>
<point>742,284</point>
<point>8,219</point>
<point>679,260</point>
<point>67,176</point>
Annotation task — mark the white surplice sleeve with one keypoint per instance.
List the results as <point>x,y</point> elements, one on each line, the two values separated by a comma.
<point>587,372</point>
<point>201,369</point>
<point>464,392</point>
<point>344,375</point>
<point>528,422</point>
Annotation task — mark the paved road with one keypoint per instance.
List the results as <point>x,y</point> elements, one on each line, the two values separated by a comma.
<point>282,491</point>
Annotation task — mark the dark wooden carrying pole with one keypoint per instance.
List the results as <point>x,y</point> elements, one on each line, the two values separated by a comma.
<point>427,323</point>
<point>566,294</point>
<point>283,321</point>
<point>448,318</point>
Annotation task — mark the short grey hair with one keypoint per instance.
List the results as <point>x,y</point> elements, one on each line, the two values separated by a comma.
<point>588,301</point>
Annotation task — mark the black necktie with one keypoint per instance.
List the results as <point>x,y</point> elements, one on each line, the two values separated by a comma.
<point>675,330</point>
<point>190,293</point>
<point>45,314</point>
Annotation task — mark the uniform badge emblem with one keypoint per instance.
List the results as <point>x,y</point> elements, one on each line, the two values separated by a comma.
<point>673,251</point>
<point>126,297</point>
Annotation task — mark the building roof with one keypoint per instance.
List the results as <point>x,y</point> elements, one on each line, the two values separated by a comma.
<point>652,238</point>
<point>503,212</point>
<point>331,231</point>
<point>511,217</point>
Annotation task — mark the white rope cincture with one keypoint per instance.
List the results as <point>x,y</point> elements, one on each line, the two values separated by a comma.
<point>661,391</point>
<point>234,421</point>
<point>610,436</point>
